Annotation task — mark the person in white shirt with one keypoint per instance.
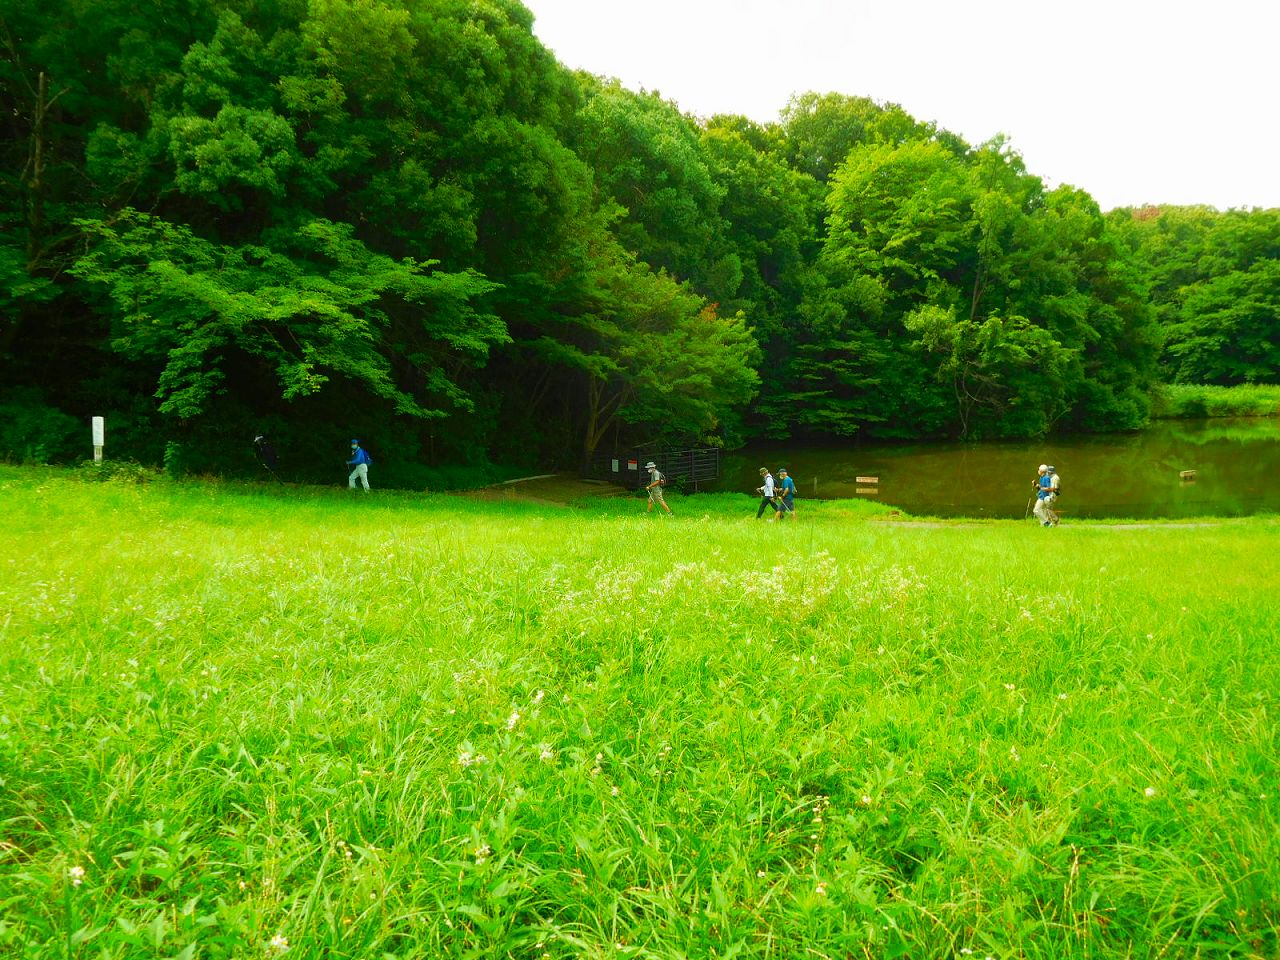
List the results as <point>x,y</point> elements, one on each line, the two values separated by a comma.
<point>768,498</point>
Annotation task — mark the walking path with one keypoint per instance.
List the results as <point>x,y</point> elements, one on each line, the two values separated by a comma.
<point>558,489</point>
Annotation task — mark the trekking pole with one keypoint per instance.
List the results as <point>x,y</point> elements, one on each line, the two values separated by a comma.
<point>1030,500</point>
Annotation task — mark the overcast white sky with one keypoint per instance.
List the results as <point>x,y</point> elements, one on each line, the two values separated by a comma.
<point>1133,100</point>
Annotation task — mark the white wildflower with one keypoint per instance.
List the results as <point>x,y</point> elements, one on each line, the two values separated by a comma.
<point>513,719</point>
<point>76,875</point>
<point>1149,792</point>
<point>279,943</point>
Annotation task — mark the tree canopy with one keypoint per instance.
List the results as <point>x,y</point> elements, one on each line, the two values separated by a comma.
<point>404,218</point>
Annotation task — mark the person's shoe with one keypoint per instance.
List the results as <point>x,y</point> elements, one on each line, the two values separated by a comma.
<point>1046,524</point>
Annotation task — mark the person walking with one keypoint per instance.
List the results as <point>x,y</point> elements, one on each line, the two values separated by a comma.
<point>656,480</point>
<point>359,461</point>
<point>1044,493</point>
<point>1055,487</point>
<point>266,454</point>
<point>768,496</point>
<point>787,490</point>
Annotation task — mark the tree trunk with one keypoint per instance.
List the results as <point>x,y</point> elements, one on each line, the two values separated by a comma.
<point>600,416</point>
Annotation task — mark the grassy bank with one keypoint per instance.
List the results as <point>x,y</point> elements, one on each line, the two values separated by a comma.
<point>239,720</point>
<point>1182,401</point>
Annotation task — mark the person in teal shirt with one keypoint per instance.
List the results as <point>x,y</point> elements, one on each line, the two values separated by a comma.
<point>787,490</point>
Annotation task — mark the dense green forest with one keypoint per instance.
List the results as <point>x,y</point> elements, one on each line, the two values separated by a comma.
<point>405,220</point>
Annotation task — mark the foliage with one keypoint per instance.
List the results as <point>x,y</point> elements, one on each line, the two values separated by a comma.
<point>1215,283</point>
<point>311,303</point>
<point>115,471</point>
<point>407,215</point>
<point>31,431</point>
<point>1180,401</point>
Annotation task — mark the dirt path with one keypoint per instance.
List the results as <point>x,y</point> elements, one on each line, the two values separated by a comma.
<point>557,489</point>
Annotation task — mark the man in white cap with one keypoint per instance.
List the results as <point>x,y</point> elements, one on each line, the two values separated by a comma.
<point>656,479</point>
<point>1044,498</point>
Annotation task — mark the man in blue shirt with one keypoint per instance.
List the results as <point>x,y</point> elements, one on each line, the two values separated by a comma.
<point>360,461</point>
<point>787,490</point>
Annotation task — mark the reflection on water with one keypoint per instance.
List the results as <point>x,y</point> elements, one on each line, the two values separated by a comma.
<point>1236,464</point>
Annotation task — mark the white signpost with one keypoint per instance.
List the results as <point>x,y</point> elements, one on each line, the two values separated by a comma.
<point>99,438</point>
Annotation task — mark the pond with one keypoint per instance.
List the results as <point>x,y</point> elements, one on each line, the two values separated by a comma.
<point>1236,463</point>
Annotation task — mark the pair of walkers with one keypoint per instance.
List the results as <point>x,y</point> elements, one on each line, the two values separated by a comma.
<point>1047,486</point>
<point>780,494</point>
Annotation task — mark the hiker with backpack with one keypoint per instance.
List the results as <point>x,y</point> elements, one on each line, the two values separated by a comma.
<point>360,461</point>
<point>786,493</point>
<point>656,482</point>
<point>266,454</point>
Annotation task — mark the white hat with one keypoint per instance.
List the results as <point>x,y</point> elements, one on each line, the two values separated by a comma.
<point>651,465</point>
<point>1043,468</point>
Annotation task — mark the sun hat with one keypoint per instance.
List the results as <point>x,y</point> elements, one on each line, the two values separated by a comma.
<point>651,465</point>
<point>1043,467</point>
<point>763,471</point>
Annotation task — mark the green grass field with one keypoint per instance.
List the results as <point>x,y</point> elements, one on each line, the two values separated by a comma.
<point>239,721</point>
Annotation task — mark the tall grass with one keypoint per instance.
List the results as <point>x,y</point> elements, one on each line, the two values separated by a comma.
<point>1183,401</point>
<point>238,721</point>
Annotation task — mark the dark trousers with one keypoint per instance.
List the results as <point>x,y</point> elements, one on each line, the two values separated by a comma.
<point>766,502</point>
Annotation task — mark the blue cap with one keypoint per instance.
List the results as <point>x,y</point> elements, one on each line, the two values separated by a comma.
<point>355,442</point>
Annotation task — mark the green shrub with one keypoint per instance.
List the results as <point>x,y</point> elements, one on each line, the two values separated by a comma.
<point>31,431</point>
<point>1187,401</point>
<point>115,471</point>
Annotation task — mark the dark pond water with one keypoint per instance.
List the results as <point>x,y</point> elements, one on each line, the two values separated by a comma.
<point>1237,465</point>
